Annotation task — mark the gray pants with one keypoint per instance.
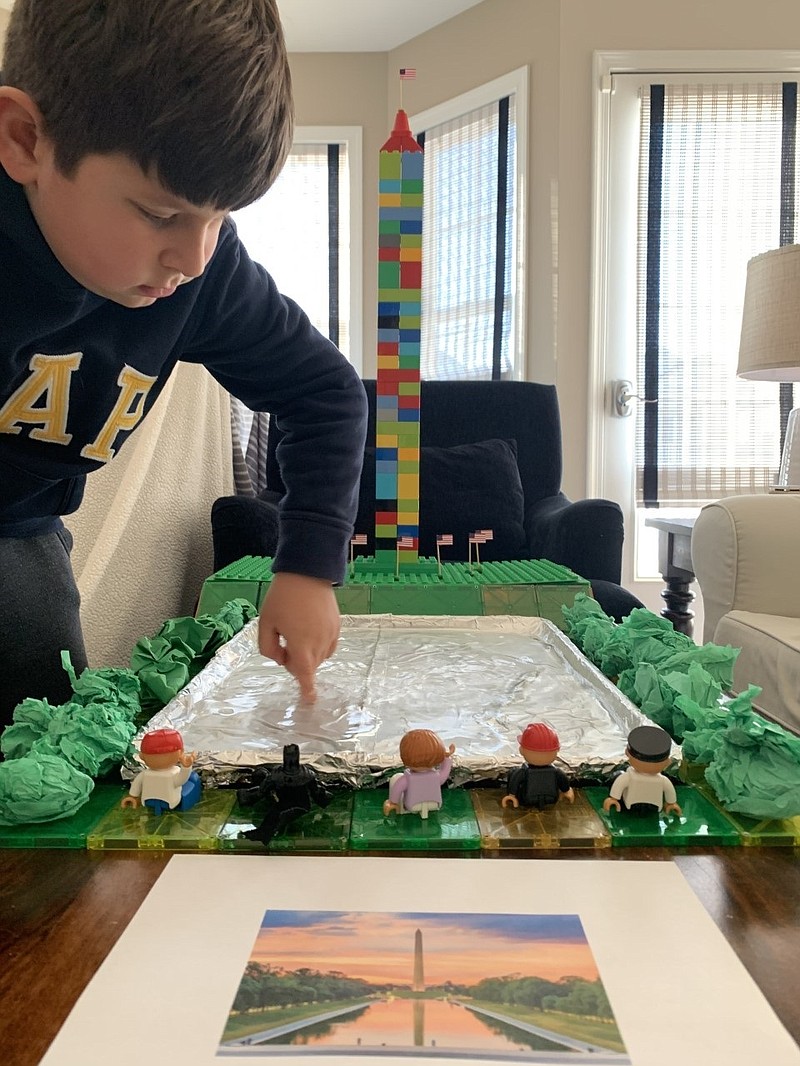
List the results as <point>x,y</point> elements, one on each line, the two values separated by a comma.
<point>39,617</point>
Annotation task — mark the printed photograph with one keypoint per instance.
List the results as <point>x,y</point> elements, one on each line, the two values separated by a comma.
<point>504,987</point>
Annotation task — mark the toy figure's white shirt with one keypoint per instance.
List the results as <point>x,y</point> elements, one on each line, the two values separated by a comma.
<point>632,787</point>
<point>164,785</point>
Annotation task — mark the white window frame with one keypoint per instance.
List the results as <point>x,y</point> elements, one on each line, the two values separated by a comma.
<point>514,82</point>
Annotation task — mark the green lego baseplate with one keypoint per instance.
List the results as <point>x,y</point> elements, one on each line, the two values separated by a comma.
<point>530,587</point>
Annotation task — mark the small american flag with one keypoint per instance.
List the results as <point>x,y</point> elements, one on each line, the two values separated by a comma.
<point>405,542</point>
<point>443,539</point>
<point>485,534</point>
<point>408,73</point>
<point>359,538</point>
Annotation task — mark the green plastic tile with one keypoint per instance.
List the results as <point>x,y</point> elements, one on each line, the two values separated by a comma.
<point>136,827</point>
<point>453,828</point>
<point>699,823</point>
<point>69,832</point>
<point>323,829</point>
<point>754,832</point>
<point>564,825</point>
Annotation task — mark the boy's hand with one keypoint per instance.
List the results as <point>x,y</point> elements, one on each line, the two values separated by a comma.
<point>299,626</point>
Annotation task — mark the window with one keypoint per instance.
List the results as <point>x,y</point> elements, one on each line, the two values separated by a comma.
<point>717,185</point>
<point>472,247</point>
<point>306,231</point>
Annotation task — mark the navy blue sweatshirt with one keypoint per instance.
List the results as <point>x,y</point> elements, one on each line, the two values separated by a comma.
<point>79,372</point>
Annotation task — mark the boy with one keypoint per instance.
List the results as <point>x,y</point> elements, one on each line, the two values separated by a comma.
<point>128,130</point>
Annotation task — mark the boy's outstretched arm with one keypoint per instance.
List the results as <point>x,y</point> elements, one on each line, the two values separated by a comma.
<point>299,626</point>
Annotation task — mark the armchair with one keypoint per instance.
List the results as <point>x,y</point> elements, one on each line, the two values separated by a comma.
<point>491,457</point>
<point>744,554</point>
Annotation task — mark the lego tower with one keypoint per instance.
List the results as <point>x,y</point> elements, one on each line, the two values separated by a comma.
<point>399,317</point>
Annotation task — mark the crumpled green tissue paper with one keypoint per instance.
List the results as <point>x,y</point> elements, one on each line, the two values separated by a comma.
<point>31,719</point>
<point>704,731</point>
<point>161,665</point>
<point>93,739</point>
<point>653,639</point>
<point>584,610</point>
<point>756,767</point>
<point>40,788</point>
<point>698,686</point>
<point>167,661</point>
<point>717,660</point>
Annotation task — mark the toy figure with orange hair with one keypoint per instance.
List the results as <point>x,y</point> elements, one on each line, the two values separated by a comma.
<point>537,783</point>
<point>418,789</point>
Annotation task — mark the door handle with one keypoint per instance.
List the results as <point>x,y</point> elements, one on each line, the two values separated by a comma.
<point>622,395</point>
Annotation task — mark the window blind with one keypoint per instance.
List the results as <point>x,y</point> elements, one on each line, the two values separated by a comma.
<point>717,185</point>
<point>468,245</point>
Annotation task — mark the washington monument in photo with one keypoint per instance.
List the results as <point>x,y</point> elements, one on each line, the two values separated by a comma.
<point>418,983</point>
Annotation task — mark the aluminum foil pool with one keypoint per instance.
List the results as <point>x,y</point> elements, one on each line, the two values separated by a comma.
<point>476,681</point>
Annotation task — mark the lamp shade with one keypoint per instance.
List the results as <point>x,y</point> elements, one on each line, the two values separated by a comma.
<point>769,349</point>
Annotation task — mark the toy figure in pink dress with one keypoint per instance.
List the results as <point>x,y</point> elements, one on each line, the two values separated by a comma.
<point>418,789</point>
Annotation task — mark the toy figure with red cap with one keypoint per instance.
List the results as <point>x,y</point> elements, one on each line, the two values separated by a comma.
<point>169,782</point>
<point>537,783</point>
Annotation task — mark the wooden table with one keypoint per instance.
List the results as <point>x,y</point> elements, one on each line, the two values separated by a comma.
<point>675,566</point>
<point>61,912</point>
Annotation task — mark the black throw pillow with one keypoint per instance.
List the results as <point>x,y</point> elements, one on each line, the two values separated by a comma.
<point>462,489</point>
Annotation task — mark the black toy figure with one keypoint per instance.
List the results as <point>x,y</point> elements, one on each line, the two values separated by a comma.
<point>537,783</point>
<point>290,791</point>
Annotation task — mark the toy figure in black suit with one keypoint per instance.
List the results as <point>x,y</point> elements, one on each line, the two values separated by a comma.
<point>537,783</point>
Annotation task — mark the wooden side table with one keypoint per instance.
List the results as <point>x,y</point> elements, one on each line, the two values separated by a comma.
<point>675,566</point>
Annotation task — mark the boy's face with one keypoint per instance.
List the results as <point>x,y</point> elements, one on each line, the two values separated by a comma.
<point>117,231</point>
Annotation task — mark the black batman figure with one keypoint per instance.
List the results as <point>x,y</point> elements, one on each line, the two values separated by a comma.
<point>289,790</point>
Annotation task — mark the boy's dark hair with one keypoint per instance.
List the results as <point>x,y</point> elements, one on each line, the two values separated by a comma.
<point>197,92</point>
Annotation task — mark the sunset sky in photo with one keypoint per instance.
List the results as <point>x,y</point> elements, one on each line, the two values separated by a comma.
<point>463,948</point>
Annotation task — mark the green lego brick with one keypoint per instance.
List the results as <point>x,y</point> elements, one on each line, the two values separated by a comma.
<point>198,829</point>
<point>453,828</point>
<point>375,585</point>
<point>69,832</point>
<point>563,825</point>
<point>322,829</point>
<point>389,164</point>
<point>216,593</point>
<point>699,823</point>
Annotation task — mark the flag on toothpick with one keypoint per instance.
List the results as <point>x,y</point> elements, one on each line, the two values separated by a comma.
<point>408,73</point>
<point>405,542</point>
<point>442,541</point>
<point>359,538</point>
<point>483,535</point>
